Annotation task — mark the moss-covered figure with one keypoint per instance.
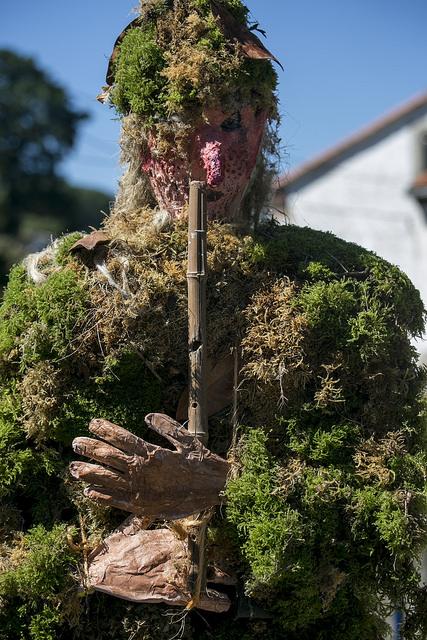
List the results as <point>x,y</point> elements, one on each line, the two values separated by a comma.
<point>325,512</point>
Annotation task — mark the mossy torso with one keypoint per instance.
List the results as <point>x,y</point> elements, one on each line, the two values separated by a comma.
<point>325,514</point>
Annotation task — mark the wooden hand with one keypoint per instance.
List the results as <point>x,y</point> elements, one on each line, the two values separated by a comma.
<point>146,479</point>
<point>148,567</point>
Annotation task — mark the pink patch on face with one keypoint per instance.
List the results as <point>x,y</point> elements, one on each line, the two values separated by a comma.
<point>212,163</point>
<point>219,154</point>
<point>147,164</point>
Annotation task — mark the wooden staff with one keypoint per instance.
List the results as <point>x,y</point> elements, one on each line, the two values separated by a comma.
<point>197,415</point>
<point>196,277</point>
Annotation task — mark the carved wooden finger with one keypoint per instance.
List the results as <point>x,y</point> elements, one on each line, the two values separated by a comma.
<point>148,567</point>
<point>109,498</point>
<point>98,475</point>
<point>171,430</point>
<point>101,452</point>
<point>120,438</point>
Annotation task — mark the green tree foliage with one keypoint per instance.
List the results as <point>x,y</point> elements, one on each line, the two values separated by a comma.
<point>38,127</point>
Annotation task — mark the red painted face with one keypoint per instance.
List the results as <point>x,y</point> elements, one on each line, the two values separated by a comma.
<point>222,152</point>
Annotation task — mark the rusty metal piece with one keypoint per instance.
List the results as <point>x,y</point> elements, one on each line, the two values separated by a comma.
<point>148,480</point>
<point>233,30</point>
<point>92,249</point>
<point>148,567</point>
<point>90,242</point>
<point>109,78</point>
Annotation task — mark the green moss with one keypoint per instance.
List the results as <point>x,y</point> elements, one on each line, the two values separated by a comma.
<point>60,304</point>
<point>317,271</point>
<point>382,510</point>
<point>16,311</point>
<point>303,545</point>
<point>19,463</point>
<point>342,449</point>
<point>34,584</point>
<point>38,322</point>
<point>63,256</point>
<point>272,526</point>
<point>43,625</point>
<point>138,82</point>
<point>408,470</point>
<point>328,307</point>
<point>320,442</point>
<point>293,248</point>
<point>236,7</point>
<point>40,574</point>
<point>124,396</point>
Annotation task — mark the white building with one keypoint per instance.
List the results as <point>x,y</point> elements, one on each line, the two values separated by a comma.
<point>371,189</point>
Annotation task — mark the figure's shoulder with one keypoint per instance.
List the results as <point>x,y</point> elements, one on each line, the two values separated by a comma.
<point>44,297</point>
<point>322,263</point>
<point>296,247</point>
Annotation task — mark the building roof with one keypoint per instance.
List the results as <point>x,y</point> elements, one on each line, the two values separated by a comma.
<point>350,145</point>
<point>419,188</point>
<point>421,180</point>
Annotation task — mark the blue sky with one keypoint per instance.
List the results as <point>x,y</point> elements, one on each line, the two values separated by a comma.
<point>346,63</point>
